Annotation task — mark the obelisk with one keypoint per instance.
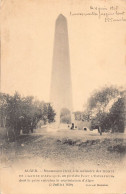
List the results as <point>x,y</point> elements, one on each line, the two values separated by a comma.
<point>61,87</point>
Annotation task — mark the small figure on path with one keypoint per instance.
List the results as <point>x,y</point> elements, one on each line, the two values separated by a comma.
<point>100,130</point>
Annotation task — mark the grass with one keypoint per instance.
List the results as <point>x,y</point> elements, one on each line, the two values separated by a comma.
<point>66,146</point>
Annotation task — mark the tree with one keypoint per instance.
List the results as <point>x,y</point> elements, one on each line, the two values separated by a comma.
<point>51,113</point>
<point>100,99</point>
<point>65,116</point>
<point>103,107</point>
<point>23,113</point>
<point>78,115</point>
<point>4,98</point>
<point>117,115</point>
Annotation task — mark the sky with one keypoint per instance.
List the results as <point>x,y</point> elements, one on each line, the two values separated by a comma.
<point>97,48</point>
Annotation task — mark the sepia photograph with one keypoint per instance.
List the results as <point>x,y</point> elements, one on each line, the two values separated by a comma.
<point>63,97</point>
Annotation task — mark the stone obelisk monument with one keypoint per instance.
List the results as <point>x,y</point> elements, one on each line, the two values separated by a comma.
<point>61,88</point>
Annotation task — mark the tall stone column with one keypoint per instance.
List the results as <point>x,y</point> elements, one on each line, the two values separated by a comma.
<point>61,87</point>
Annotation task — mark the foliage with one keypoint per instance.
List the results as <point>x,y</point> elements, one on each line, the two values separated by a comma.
<point>101,98</point>
<point>117,115</point>
<point>78,115</point>
<point>23,113</point>
<point>51,113</point>
<point>65,116</point>
<point>106,108</point>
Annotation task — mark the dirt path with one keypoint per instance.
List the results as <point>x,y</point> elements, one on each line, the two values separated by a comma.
<point>66,147</point>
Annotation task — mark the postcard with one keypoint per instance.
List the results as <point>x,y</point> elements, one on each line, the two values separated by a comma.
<point>63,97</point>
